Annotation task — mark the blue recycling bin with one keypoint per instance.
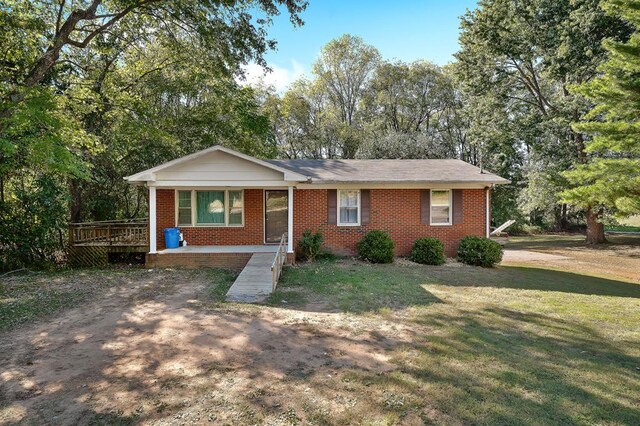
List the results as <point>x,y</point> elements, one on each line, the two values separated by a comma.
<point>172,237</point>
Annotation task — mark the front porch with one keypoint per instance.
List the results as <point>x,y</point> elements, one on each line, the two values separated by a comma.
<point>211,256</point>
<point>272,248</point>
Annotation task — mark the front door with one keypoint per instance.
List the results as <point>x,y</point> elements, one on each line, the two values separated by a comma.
<point>275,215</point>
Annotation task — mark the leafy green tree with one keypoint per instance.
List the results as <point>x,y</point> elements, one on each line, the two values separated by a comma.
<point>413,111</point>
<point>344,68</point>
<point>610,178</point>
<point>224,29</point>
<point>91,91</point>
<point>516,63</point>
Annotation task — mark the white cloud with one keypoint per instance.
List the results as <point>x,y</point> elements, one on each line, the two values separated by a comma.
<point>279,77</point>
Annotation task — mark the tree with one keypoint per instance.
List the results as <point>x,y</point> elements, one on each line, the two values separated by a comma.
<point>345,67</point>
<point>610,178</point>
<point>412,111</point>
<point>91,91</point>
<point>516,63</point>
<point>225,29</point>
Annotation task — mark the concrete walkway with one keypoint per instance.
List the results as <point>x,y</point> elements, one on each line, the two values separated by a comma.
<point>254,283</point>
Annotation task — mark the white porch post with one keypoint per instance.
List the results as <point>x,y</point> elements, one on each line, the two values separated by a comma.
<point>290,221</point>
<point>487,213</point>
<point>152,220</point>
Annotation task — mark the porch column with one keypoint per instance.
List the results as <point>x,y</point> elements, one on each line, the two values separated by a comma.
<point>152,219</point>
<point>290,221</point>
<point>487,212</point>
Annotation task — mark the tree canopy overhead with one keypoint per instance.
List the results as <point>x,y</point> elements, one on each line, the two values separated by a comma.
<point>610,179</point>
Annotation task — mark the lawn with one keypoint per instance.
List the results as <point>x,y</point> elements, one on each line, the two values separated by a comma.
<point>549,337</point>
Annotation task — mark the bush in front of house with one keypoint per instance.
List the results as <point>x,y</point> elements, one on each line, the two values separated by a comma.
<point>479,251</point>
<point>376,247</point>
<point>428,251</point>
<point>310,245</point>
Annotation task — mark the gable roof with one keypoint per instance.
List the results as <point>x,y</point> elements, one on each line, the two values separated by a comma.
<point>149,174</point>
<point>349,171</point>
<point>390,171</point>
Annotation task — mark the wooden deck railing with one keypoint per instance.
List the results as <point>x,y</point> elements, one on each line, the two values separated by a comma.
<point>278,262</point>
<point>109,233</point>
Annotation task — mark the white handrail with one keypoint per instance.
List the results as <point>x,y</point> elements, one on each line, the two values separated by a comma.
<point>502,227</point>
<point>278,261</point>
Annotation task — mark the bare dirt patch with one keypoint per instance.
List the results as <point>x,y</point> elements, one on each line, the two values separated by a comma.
<point>175,357</point>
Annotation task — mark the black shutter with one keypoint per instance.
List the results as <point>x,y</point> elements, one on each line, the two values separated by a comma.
<point>457,206</point>
<point>365,206</point>
<point>332,206</point>
<point>425,205</point>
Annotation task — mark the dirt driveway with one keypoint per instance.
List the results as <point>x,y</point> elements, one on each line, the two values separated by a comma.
<point>130,356</point>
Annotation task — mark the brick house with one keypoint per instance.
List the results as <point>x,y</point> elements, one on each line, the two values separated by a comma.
<point>229,204</point>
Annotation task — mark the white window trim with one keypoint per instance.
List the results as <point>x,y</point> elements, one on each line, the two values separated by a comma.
<point>194,210</point>
<point>359,208</point>
<point>431,205</point>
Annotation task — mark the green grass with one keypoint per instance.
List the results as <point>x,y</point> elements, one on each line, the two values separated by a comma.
<point>352,287</point>
<point>509,345</point>
<point>622,228</point>
<point>219,281</point>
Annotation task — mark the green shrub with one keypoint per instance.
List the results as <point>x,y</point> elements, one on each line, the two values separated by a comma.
<point>428,251</point>
<point>376,247</point>
<point>309,246</point>
<point>479,251</point>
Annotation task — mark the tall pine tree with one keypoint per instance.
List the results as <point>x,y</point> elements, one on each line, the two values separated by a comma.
<point>610,180</point>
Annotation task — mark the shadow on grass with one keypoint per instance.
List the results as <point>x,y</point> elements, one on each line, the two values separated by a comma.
<point>350,286</point>
<point>509,367</point>
<point>358,287</point>
<point>164,359</point>
<point>532,278</point>
<point>618,243</point>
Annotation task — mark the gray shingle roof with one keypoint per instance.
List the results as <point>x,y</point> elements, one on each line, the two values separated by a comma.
<point>389,171</point>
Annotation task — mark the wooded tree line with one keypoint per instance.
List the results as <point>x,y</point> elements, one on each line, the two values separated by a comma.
<point>91,91</point>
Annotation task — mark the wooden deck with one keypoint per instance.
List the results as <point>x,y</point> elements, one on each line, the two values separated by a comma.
<point>91,243</point>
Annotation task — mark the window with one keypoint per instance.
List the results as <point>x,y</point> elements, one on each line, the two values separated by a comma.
<point>349,208</point>
<point>440,207</point>
<point>184,208</point>
<point>236,205</point>
<point>210,208</point>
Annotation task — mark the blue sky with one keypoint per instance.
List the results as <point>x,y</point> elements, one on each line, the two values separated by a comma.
<point>402,29</point>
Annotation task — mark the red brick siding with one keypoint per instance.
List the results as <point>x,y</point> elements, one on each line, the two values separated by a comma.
<point>251,233</point>
<point>235,261</point>
<point>396,211</point>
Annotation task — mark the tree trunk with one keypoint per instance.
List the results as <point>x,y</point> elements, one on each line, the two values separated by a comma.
<point>557,214</point>
<point>595,229</point>
<point>76,204</point>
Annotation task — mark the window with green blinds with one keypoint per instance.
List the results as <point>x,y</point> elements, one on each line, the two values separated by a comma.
<point>216,208</point>
<point>210,207</point>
